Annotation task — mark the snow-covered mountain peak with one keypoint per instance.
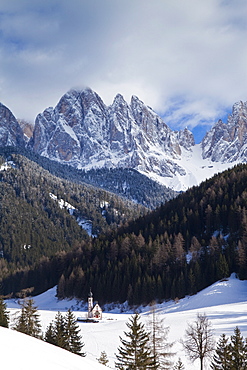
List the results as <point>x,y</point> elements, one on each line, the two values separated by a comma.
<point>11,133</point>
<point>85,133</point>
<point>186,139</point>
<point>227,142</point>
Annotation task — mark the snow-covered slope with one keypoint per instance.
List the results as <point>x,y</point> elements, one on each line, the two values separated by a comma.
<point>224,303</point>
<point>20,351</point>
<point>196,169</point>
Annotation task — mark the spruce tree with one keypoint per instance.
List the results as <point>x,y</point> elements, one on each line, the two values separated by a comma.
<point>64,333</point>
<point>179,365</point>
<point>103,358</point>
<point>73,337</point>
<point>50,336</point>
<point>4,316</point>
<point>222,356</point>
<point>60,334</point>
<point>28,322</point>
<point>238,351</point>
<point>134,353</point>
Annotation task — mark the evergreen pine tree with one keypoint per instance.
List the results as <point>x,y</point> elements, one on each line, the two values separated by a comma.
<point>103,358</point>
<point>179,365</point>
<point>221,359</point>
<point>73,337</point>
<point>4,317</point>
<point>135,353</point>
<point>28,322</point>
<point>238,351</point>
<point>50,336</point>
<point>60,334</point>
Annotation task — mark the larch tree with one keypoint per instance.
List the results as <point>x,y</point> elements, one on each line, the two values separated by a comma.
<point>134,352</point>
<point>158,341</point>
<point>199,341</point>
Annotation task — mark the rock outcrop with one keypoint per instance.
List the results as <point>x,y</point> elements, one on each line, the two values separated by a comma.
<point>227,142</point>
<point>10,131</point>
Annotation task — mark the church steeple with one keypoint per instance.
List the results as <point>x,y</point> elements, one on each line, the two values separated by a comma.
<point>90,304</point>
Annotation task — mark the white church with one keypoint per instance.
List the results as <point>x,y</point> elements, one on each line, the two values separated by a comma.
<point>94,311</point>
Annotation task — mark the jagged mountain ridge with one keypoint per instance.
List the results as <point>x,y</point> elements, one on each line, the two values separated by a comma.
<point>83,132</point>
<point>227,142</point>
<point>10,131</point>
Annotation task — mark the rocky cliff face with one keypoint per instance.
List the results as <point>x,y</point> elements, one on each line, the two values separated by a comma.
<point>10,131</point>
<point>227,142</point>
<point>83,132</point>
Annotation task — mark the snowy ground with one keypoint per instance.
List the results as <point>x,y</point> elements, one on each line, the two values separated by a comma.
<point>225,304</point>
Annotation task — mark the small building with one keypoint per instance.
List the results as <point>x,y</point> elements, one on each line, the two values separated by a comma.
<point>94,311</point>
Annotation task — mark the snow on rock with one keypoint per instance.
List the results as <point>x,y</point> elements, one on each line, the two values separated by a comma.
<point>83,132</point>
<point>226,142</point>
<point>7,165</point>
<point>10,131</point>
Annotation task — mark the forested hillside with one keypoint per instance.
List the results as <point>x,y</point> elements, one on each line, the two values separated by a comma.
<point>125,182</point>
<point>40,213</point>
<point>182,247</point>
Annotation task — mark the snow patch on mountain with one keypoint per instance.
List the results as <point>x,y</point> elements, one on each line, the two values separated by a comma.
<point>82,222</point>
<point>196,169</point>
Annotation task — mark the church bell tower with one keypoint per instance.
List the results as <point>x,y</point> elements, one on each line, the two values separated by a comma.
<point>90,304</point>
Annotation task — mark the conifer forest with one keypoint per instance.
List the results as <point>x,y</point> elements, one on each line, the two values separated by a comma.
<point>132,253</point>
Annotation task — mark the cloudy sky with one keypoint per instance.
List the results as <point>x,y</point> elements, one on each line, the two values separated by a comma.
<point>187,59</point>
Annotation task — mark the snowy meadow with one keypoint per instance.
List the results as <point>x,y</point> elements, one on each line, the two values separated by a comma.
<point>224,303</point>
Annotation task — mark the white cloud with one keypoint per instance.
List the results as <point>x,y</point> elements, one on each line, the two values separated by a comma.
<point>186,59</point>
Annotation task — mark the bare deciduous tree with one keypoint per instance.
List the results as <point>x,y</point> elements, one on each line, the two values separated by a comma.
<point>199,342</point>
<point>158,340</point>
